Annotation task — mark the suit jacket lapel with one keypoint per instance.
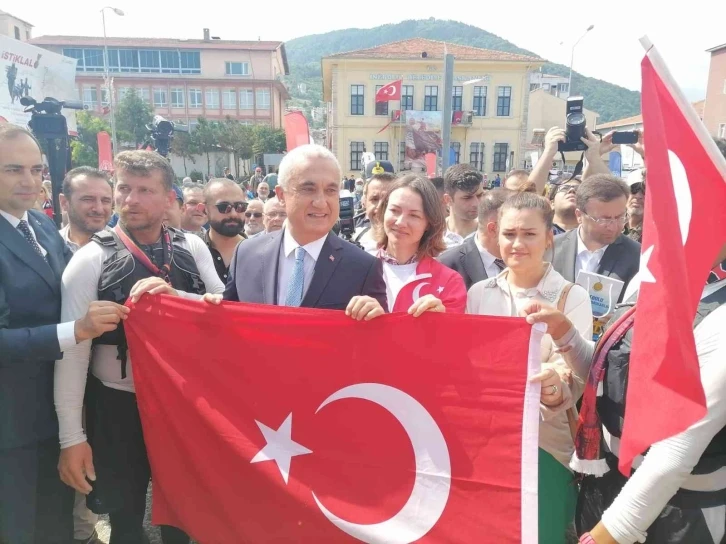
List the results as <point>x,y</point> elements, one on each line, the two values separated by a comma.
<point>567,257</point>
<point>328,260</point>
<point>473,264</point>
<point>18,245</point>
<point>270,267</point>
<point>610,258</point>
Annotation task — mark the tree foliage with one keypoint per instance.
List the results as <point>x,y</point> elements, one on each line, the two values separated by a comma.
<point>304,54</point>
<point>132,115</point>
<point>84,150</point>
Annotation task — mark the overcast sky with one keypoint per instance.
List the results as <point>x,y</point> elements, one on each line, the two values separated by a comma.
<point>610,51</point>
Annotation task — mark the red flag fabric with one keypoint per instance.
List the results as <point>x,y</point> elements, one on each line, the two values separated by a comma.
<point>457,117</point>
<point>430,159</point>
<point>105,153</point>
<point>325,429</point>
<point>683,230</point>
<point>392,91</point>
<point>297,132</point>
<point>396,115</point>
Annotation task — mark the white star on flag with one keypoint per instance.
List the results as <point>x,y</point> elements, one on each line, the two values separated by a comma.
<point>280,446</point>
<point>440,289</point>
<point>645,274</point>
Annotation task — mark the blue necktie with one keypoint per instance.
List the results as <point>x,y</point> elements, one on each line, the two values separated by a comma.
<point>297,280</point>
<point>24,228</point>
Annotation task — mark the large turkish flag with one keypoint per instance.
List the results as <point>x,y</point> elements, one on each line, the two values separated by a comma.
<point>271,424</point>
<point>683,230</point>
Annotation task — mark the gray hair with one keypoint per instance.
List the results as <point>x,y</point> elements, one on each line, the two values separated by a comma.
<point>270,203</point>
<point>292,160</point>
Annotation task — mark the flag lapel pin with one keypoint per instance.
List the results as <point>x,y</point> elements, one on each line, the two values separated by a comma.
<point>332,259</point>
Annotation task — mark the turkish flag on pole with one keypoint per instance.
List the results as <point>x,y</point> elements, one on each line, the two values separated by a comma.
<point>392,91</point>
<point>683,230</point>
<point>105,153</point>
<point>324,429</point>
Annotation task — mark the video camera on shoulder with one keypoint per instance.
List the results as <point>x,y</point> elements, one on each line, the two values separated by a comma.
<point>346,215</point>
<point>574,126</point>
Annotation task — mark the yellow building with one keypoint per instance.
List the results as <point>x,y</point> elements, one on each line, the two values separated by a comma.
<point>491,90</point>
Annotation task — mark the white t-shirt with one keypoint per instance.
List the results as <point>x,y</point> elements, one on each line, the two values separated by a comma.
<point>396,276</point>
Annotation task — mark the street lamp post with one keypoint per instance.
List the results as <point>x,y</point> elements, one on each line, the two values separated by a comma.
<point>109,83</point>
<point>572,58</point>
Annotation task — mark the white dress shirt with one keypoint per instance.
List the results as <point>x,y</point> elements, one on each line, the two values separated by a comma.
<point>587,260</point>
<point>488,259</point>
<point>287,262</point>
<point>66,332</point>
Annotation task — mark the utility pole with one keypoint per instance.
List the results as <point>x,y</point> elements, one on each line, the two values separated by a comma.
<point>448,99</point>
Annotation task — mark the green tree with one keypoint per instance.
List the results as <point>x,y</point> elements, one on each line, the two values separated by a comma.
<point>132,115</point>
<point>207,135</point>
<point>185,145</point>
<point>238,139</point>
<point>84,150</point>
<point>267,140</point>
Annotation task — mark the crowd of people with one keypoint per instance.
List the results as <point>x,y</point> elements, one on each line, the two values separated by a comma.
<point>71,441</point>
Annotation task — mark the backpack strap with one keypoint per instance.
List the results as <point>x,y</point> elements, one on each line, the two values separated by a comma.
<point>572,415</point>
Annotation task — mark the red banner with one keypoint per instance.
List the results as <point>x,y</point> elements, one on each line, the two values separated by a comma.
<point>105,153</point>
<point>297,132</point>
<point>430,164</point>
<point>400,429</point>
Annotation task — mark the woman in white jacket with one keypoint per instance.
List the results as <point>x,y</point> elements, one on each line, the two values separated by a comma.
<point>525,235</point>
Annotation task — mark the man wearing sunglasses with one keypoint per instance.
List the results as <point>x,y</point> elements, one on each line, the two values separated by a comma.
<point>254,226</point>
<point>598,245</point>
<point>225,203</point>
<point>564,202</point>
<point>636,205</point>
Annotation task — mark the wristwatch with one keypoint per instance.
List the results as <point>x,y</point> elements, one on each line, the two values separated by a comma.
<point>587,539</point>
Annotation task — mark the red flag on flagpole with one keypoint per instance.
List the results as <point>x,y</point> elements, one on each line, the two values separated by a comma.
<point>105,153</point>
<point>392,91</point>
<point>395,117</point>
<point>683,230</point>
<point>297,131</point>
<point>319,434</point>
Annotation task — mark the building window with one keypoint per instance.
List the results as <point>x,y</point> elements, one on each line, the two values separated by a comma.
<point>722,130</point>
<point>246,99</point>
<point>90,98</point>
<point>169,61</point>
<point>480,101</point>
<point>263,99</point>
<point>190,62</point>
<point>160,100</point>
<point>356,101</point>
<point>476,155</point>
<point>229,99</point>
<point>104,96</point>
<point>456,146</point>
<point>177,97</point>
<point>17,33</point>
<point>381,107</point>
<point>431,98</point>
<point>158,61</point>
<point>93,60</point>
<point>457,103</point>
<point>564,87</point>
<point>237,68</point>
<point>144,94</point>
<point>500,157</point>
<point>211,98</point>
<point>401,155</point>
<point>149,61</point>
<point>380,150</point>
<point>533,87</point>
<point>195,98</point>
<point>356,155</point>
<point>504,101</point>
<point>128,60</point>
<point>407,97</point>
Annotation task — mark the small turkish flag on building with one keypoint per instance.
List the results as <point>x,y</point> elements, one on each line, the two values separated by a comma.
<point>337,431</point>
<point>392,91</point>
<point>683,230</point>
<point>457,117</point>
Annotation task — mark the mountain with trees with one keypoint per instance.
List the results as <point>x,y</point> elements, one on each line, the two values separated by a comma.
<point>304,54</point>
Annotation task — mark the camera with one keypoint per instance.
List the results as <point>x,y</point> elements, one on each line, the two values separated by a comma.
<point>574,126</point>
<point>347,214</point>
<point>161,133</point>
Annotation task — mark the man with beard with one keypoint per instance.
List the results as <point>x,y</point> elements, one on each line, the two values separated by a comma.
<point>564,202</point>
<point>87,199</point>
<point>253,219</point>
<point>226,203</point>
<point>263,192</point>
<point>275,215</point>
<point>463,190</point>
<point>636,205</point>
<point>193,217</point>
<point>373,192</point>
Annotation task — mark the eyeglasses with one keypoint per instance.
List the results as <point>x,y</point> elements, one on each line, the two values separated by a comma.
<point>276,215</point>
<point>256,215</point>
<point>603,222</point>
<point>566,188</point>
<point>227,207</point>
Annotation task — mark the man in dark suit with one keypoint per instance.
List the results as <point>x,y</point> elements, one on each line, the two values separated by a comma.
<point>478,258</point>
<point>598,244</point>
<point>305,264</point>
<point>35,506</point>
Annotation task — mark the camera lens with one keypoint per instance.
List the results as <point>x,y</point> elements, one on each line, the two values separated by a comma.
<point>576,119</point>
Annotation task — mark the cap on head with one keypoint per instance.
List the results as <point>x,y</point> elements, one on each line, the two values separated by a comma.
<point>374,168</point>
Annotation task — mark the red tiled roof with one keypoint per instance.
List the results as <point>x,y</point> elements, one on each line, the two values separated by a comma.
<point>636,119</point>
<point>94,41</point>
<point>412,49</point>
